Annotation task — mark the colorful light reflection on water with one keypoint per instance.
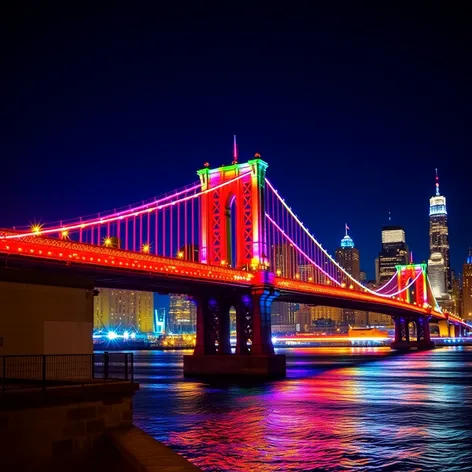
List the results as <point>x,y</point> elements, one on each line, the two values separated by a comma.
<point>339,409</point>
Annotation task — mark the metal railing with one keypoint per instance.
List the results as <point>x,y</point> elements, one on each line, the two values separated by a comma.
<point>43,371</point>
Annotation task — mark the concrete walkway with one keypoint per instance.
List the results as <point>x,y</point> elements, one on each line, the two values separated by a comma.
<point>145,454</point>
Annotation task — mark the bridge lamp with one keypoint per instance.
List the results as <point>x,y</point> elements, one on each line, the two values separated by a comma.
<point>343,285</point>
<point>278,272</point>
<point>36,229</point>
<point>180,254</point>
<point>223,262</point>
<point>64,234</point>
<point>297,276</point>
<point>107,242</point>
<point>351,286</point>
<point>146,248</point>
<point>310,279</point>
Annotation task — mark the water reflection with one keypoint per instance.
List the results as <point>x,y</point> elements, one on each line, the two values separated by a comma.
<point>339,409</point>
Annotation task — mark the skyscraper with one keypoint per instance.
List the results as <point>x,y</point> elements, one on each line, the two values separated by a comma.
<point>439,238</point>
<point>467,288</point>
<point>437,275</point>
<point>182,314</point>
<point>394,252</point>
<point>347,256</point>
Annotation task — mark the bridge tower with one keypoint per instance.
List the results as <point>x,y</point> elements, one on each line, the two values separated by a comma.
<point>232,218</point>
<point>233,234</point>
<point>413,276</point>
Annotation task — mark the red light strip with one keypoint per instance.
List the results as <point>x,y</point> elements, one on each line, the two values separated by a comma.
<point>307,287</point>
<point>105,257</point>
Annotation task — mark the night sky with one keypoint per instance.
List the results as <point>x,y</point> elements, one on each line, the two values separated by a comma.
<point>352,106</point>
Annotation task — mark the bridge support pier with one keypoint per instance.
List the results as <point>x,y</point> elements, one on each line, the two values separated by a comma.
<point>402,340</point>
<point>444,329</point>
<point>254,355</point>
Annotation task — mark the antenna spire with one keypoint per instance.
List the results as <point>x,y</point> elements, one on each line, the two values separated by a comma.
<point>437,182</point>
<point>235,151</point>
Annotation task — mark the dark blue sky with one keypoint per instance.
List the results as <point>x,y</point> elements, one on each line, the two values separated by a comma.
<point>352,106</point>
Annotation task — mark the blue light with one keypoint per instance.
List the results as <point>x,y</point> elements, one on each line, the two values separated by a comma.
<point>111,335</point>
<point>438,210</point>
<point>347,242</point>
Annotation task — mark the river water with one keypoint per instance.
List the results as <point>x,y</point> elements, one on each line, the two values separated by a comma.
<point>339,409</point>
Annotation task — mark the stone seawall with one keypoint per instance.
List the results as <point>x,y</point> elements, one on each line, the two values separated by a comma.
<point>62,424</point>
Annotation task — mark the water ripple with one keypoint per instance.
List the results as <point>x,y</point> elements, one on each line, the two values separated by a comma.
<point>338,410</point>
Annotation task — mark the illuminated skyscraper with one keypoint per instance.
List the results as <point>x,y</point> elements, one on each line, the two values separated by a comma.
<point>437,275</point>
<point>124,310</point>
<point>467,288</point>
<point>394,252</point>
<point>182,314</point>
<point>439,235</point>
<point>347,256</point>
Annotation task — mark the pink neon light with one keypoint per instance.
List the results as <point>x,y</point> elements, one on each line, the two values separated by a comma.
<point>313,262</point>
<point>299,250</point>
<point>322,249</point>
<point>119,217</point>
<point>311,236</point>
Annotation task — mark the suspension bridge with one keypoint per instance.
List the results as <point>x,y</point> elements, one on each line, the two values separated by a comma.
<point>228,240</point>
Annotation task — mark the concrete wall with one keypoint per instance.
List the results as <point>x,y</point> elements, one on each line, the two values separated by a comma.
<point>50,434</point>
<point>45,319</point>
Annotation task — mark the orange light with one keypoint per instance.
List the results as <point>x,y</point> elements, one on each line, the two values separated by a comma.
<point>64,234</point>
<point>36,229</point>
<point>146,248</point>
<point>108,242</point>
<point>180,254</point>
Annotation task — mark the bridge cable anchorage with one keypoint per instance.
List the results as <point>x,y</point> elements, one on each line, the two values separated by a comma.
<point>289,222</point>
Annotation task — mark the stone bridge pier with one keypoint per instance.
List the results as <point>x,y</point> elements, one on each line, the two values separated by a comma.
<point>254,353</point>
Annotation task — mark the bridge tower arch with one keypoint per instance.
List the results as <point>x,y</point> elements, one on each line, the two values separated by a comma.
<point>240,198</point>
<point>418,291</point>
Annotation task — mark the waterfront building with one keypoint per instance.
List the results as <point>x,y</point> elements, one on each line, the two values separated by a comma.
<point>124,310</point>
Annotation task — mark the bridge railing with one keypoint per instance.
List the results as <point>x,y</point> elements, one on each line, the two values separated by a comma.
<point>44,371</point>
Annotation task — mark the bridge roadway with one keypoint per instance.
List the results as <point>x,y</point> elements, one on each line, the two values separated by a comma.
<point>116,268</point>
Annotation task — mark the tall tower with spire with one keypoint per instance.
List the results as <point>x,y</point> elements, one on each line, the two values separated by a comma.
<point>347,256</point>
<point>439,260</point>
